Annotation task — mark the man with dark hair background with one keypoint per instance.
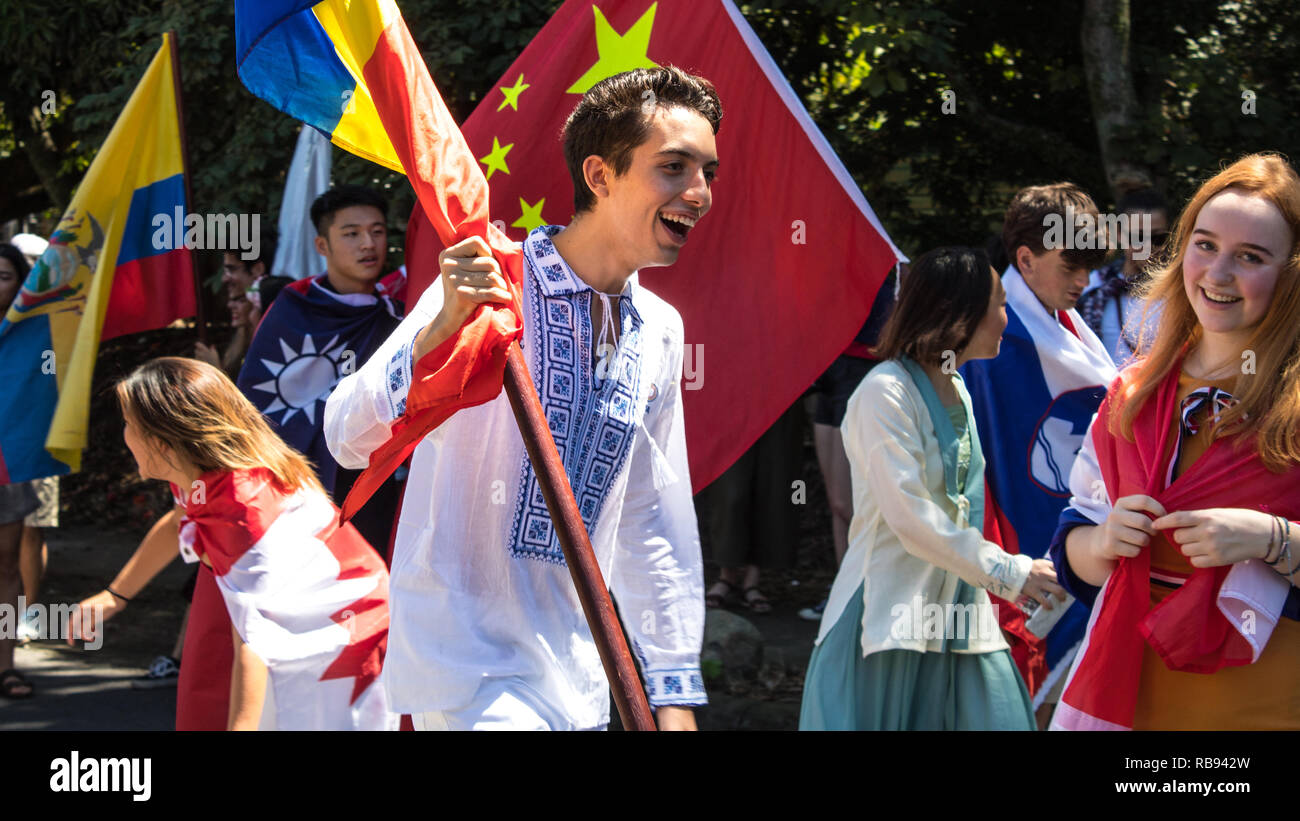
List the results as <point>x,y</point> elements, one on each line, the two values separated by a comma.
<point>487,629</point>
<point>1033,402</point>
<point>319,330</point>
<point>249,292</point>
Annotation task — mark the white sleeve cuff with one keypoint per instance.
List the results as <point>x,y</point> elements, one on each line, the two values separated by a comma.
<point>399,379</point>
<point>676,687</point>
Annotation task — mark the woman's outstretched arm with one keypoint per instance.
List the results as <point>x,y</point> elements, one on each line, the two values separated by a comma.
<point>156,551</point>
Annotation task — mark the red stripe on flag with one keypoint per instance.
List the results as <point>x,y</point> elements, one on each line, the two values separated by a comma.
<point>467,369</point>
<point>236,511</point>
<point>149,293</point>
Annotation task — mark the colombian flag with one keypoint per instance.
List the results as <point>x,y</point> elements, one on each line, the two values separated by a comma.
<point>350,69</point>
<point>103,275</point>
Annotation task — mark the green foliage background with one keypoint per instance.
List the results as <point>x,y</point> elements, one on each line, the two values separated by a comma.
<point>873,75</point>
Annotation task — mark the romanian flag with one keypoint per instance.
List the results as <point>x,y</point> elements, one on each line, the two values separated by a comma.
<point>108,271</point>
<point>310,59</point>
<point>782,272</point>
<point>350,69</point>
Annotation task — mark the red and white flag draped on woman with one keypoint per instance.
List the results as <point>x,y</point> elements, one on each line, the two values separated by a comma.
<point>309,597</point>
<point>1200,627</point>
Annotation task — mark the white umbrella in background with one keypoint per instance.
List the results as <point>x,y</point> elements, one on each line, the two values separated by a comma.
<point>30,245</point>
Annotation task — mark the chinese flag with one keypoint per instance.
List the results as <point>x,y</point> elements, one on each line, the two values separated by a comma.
<point>777,278</point>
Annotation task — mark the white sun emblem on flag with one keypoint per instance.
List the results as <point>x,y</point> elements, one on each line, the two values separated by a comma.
<point>304,378</point>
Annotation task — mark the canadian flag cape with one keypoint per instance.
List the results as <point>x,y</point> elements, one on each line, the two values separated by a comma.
<point>1198,628</point>
<point>309,597</point>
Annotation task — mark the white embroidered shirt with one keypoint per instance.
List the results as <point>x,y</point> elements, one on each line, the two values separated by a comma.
<point>479,588</point>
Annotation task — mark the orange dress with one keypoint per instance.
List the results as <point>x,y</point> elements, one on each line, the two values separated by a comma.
<point>1260,696</point>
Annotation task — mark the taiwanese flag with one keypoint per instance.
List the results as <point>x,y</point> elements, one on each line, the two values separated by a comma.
<point>115,265</point>
<point>781,273</point>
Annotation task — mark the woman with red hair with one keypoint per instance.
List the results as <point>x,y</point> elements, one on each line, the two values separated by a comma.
<point>1186,493</point>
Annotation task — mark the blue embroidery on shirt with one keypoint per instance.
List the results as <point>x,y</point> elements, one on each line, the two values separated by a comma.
<point>592,425</point>
<point>683,686</point>
<point>397,379</point>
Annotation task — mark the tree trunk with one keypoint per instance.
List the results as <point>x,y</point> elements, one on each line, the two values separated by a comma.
<point>44,157</point>
<point>1105,38</point>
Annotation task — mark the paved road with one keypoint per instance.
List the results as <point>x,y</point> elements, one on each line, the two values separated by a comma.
<point>75,690</point>
<point>91,690</point>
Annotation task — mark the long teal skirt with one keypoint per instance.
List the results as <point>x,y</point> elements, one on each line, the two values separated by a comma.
<point>908,690</point>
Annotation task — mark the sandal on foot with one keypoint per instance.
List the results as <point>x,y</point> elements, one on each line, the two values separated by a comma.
<point>756,601</point>
<point>12,681</point>
<point>727,596</point>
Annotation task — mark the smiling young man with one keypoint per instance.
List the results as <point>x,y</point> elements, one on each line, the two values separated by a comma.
<point>487,631</point>
<point>1033,402</point>
<point>320,329</point>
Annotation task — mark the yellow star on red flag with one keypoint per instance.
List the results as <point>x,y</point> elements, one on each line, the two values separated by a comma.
<point>618,52</point>
<point>512,93</point>
<point>496,158</point>
<point>531,217</point>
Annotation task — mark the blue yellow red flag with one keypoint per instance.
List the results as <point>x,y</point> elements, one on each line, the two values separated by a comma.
<point>308,59</point>
<point>104,260</point>
<point>350,69</point>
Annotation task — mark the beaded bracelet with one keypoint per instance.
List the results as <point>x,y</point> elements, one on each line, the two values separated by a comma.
<point>1286,548</point>
<point>1286,542</point>
<point>1274,530</point>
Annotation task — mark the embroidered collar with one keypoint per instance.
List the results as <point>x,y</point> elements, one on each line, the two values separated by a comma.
<point>555,276</point>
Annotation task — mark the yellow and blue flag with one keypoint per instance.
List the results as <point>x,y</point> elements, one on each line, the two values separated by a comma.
<point>309,58</point>
<point>107,258</point>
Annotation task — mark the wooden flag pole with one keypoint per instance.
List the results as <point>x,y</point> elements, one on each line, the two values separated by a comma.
<point>629,697</point>
<point>200,315</point>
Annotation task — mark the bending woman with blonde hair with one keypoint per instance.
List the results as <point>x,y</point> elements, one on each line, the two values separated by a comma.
<point>1187,489</point>
<point>289,620</point>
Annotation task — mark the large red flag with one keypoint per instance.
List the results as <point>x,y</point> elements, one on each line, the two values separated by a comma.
<point>780,275</point>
